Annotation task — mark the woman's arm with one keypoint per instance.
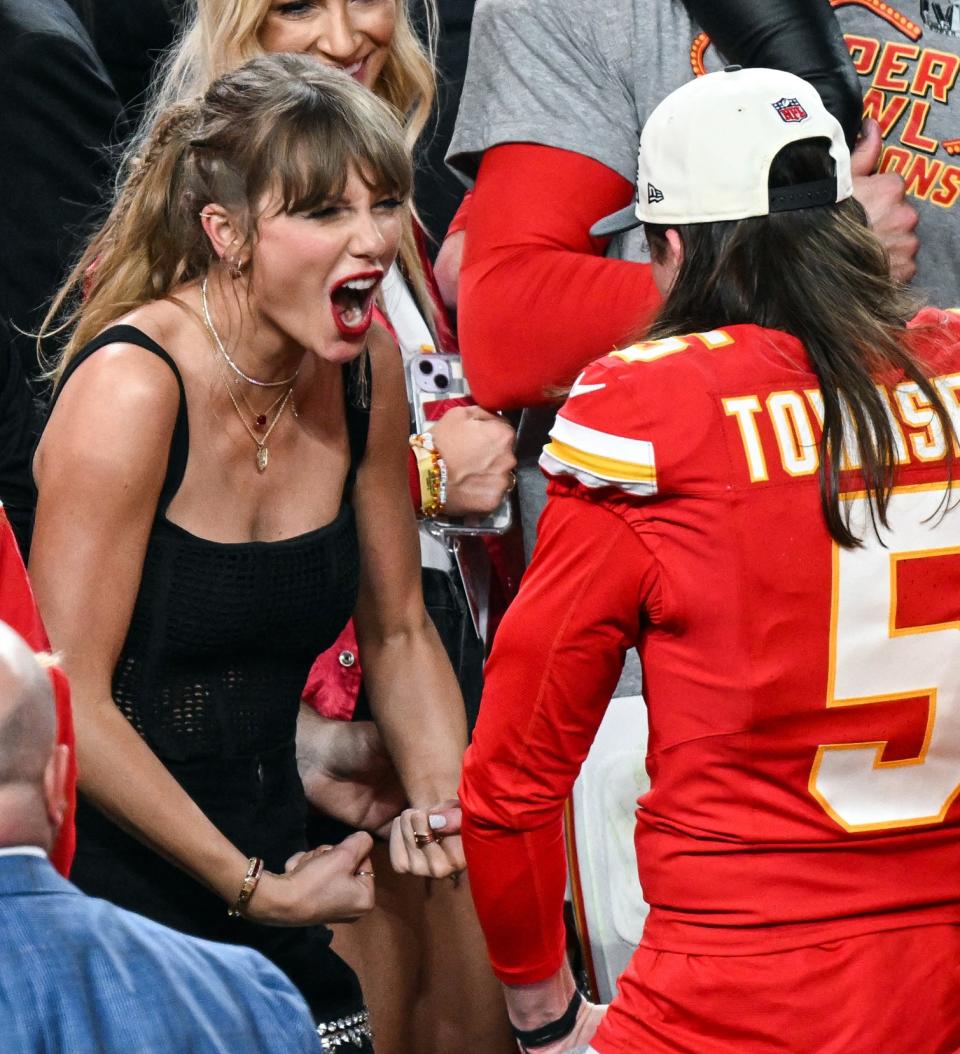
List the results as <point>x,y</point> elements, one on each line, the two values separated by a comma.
<point>99,471</point>
<point>413,692</point>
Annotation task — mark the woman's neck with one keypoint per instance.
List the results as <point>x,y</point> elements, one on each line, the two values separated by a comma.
<point>256,352</point>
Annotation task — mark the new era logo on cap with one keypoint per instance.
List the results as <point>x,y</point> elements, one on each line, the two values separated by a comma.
<point>653,195</point>
<point>790,110</point>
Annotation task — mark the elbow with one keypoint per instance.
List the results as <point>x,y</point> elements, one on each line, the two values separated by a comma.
<point>493,367</point>
<point>491,391</point>
<point>497,796</point>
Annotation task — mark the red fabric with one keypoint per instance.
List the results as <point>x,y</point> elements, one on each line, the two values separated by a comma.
<point>773,821</point>
<point>893,992</point>
<point>333,683</point>
<point>564,636</point>
<point>459,221</point>
<point>19,610</point>
<point>446,340</point>
<point>537,301</point>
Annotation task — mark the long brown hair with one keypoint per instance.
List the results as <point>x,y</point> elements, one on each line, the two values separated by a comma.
<point>821,275</point>
<point>281,126</point>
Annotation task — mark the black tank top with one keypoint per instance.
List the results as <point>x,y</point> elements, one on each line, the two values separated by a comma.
<point>223,635</point>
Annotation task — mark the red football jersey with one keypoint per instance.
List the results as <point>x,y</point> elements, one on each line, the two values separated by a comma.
<point>803,699</point>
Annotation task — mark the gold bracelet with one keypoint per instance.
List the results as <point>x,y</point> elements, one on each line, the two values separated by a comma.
<point>247,888</point>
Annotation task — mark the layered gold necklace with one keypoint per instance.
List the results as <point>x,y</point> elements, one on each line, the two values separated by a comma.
<point>261,420</point>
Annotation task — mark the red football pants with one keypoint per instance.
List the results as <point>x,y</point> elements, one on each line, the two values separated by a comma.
<point>894,992</point>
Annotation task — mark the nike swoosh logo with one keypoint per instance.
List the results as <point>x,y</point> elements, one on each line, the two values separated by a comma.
<point>583,389</point>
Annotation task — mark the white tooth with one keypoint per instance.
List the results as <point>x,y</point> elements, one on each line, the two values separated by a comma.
<point>360,284</point>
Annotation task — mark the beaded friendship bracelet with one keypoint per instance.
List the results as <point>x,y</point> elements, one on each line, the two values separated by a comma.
<point>433,475</point>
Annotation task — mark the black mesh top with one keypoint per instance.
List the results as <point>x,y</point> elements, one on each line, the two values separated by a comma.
<point>223,635</point>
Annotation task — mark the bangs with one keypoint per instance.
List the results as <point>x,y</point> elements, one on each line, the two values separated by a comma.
<point>304,159</point>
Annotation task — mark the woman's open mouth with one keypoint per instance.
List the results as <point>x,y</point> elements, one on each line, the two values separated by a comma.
<point>352,300</point>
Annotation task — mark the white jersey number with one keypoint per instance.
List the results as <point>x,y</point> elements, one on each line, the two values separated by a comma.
<point>872,660</point>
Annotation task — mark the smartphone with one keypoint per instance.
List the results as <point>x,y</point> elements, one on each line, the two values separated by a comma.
<point>436,384</point>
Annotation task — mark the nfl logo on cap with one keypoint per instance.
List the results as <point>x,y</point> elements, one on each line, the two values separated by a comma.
<point>706,151</point>
<point>790,110</point>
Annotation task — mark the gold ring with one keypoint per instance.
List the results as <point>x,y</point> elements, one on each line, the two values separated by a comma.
<point>420,840</point>
<point>513,482</point>
<point>364,874</point>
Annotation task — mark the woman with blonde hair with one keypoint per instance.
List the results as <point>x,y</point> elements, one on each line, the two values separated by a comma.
<point>376,43</point>
<point>221,484</point>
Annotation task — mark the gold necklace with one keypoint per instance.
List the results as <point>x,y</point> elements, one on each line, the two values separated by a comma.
<point>263,454</point>
<point>218,343</point>
<point>260,419</point>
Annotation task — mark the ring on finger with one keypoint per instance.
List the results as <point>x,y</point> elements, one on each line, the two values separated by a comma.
<point>420,840</point>
<point>364,874</point>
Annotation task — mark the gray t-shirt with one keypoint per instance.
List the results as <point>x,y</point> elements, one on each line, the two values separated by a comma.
<point>581,76</point>
<point>584,76</point>
<point>908,56</point>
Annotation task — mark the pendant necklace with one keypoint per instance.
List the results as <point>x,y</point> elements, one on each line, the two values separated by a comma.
<point>263,454</point>
<point>259,419</point>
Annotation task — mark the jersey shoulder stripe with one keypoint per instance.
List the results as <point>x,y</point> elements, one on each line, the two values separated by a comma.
<point>600,459</point>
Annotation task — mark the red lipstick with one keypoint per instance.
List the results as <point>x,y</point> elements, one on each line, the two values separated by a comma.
<point>352,301</point>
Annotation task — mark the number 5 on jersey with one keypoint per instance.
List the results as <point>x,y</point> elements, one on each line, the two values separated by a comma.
<point>895,635</point>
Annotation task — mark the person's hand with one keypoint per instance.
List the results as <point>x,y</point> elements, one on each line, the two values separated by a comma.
<point>333,883</point>
<point>478,450</point>
<point>589,1017</point>
<point>882,195</point>
<point>347,773</point>
<point>432,849</point>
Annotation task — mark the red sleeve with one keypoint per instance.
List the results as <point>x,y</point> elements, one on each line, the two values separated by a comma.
<point>537,300</point>
<point>459,221</point>
<point>554,667</point>
<point>19,610</point>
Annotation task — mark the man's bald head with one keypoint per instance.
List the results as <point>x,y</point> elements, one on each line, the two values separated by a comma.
<point>27,714</point>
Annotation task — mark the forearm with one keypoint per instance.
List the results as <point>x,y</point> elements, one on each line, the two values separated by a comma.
<point>538,301</point>
<point>416,703</point>
<point>128,782</point>
<point>553,670</point>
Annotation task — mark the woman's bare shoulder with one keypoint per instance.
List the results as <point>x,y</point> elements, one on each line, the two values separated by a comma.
<point>135,378</point>
<point>120,404</point>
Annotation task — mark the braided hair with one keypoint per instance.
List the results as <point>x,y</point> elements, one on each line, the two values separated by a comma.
<point>281,128</point>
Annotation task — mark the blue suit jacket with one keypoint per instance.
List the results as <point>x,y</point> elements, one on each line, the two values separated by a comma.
<point>81,976</point>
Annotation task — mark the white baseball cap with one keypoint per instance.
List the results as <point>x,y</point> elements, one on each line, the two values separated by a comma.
<point>706,150</point>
